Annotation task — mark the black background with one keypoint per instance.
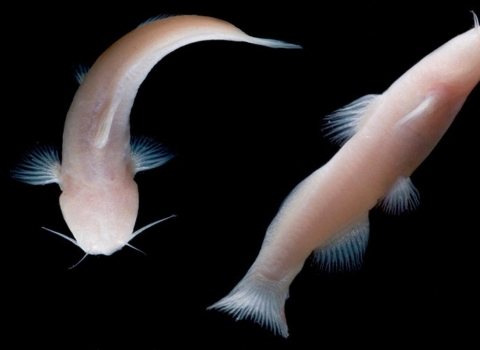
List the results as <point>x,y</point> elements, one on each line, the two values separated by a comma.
<point>246,123</point>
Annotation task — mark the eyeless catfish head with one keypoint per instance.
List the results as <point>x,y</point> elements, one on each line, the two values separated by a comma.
<point>101,218</point>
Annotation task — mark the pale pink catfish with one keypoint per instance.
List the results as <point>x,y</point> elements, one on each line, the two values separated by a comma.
<point>100,198</point>
<point>385,138</point>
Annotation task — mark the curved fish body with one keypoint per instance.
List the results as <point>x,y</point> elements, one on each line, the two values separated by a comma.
<point>99,199</point>
<point>385,138</point>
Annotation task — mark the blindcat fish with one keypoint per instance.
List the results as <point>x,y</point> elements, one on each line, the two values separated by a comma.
<point>99,199</point>
<point>385,138</point>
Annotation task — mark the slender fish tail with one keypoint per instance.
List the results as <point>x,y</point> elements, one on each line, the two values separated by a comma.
<point>273,43</point>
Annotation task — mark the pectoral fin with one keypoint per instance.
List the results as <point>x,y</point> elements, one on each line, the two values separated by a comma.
<point>39,167</point>
<point>148,154</point>
<point>342,124</point>
<point>403,196</point>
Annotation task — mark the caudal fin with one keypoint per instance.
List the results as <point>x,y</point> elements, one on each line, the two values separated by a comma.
<point>257,299</point>
<point>273,43</point>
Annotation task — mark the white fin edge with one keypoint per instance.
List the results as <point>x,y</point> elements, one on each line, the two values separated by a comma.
<point>346,252</point>
<point>148,153</point>
<point>39,167</point>
<point>402,197</point>
<point>341,125</point>
<point>259,300</point>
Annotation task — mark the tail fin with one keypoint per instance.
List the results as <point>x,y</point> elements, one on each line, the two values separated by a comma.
<point>258,299</point>
<point>273,43</point>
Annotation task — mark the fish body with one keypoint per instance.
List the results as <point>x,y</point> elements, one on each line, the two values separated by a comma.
<point>99,199</point>
<point>385,138</point>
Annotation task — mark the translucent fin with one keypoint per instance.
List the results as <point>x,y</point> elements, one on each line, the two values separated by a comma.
<point>148,153</point>
<point>346,252</point>
<point>403,196</point>
<point>273,43</point>
<point>80,73</point>
<point>342,124</point>
<point>475,21</point>
<point>154,19</point>
<point>257,299</point>
<point>39,167</point>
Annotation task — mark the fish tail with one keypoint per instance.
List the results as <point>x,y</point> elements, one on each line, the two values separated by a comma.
<point>273,43</point>
<point>258,299</point>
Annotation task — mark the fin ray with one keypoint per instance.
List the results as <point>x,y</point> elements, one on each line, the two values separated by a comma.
<point>155,18</point>
<point>39,167</point>
<point>403,196</point>
<point>347,251</point>
<point>259,300</point>
<point>341,125</point>
<point>80,73</point>
<point>148,154</point>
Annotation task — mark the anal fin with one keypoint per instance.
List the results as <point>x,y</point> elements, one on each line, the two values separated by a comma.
<point>347,250</point>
